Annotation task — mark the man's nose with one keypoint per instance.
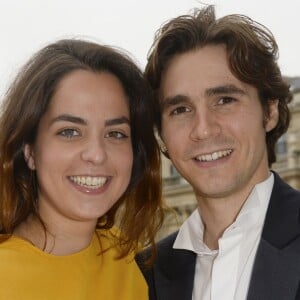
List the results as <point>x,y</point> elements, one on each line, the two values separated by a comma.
<point>205,124</point>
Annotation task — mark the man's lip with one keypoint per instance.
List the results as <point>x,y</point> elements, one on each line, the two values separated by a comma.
<point>214,155</point>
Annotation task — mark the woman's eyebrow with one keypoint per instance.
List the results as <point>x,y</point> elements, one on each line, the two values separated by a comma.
<point>81,121</point>
<point>69,118</point>
<point>117,121</point>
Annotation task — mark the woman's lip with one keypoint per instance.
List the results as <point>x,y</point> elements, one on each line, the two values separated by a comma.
<point>91,189</point>
<point>89,181</point>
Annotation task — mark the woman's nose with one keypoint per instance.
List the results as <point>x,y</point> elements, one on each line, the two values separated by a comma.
<point>94,151</point>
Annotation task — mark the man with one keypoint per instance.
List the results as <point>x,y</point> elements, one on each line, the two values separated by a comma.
<point>221,106</point>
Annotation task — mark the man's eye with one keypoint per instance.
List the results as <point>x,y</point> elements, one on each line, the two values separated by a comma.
<point>226,100</point>
<point>69,133</point>
<point>179,110</point>
<point>117,135</point>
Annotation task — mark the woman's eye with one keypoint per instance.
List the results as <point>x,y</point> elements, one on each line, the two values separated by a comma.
<point>180,110</point>
<point>117,135</point>
<point>69,133</point>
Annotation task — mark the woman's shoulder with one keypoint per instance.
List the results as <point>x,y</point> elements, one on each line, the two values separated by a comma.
<point>15,249</point>
<point>111,235</point>
<point>12,242</point>
<point>111,241</point>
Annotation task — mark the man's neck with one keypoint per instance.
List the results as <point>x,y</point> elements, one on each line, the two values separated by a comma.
<point>217,215</point>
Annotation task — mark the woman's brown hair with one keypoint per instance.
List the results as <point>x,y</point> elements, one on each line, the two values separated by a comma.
<point>25,103</point>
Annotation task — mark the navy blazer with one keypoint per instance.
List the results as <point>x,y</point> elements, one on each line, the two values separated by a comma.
<point>276,269</point>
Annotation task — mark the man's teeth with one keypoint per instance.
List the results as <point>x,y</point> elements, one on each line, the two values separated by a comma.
<point>214,156</point>
<point>88,181</point>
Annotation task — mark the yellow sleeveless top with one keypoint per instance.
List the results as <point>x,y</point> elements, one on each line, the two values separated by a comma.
<point>27,273</point>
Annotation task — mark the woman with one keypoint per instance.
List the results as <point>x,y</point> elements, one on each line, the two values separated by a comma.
<point>77,155</point>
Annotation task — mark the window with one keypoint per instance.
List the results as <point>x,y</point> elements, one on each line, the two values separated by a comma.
<point>281,145</point>
<point>173,171</point>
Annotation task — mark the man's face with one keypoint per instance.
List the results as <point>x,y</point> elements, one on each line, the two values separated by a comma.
<point>213,124</point>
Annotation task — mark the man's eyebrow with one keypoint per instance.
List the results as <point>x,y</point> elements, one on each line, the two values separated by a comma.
<point>224,89</point>
<point>117,121</point>
<point>69,118</point>
<point>173,100</point>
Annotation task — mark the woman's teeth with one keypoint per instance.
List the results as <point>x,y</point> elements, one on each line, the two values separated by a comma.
<point>88,181</point>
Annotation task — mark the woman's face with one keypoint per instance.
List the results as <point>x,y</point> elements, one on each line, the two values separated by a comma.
<point>82,154</point>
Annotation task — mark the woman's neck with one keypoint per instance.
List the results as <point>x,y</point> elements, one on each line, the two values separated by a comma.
<point>54,238</point>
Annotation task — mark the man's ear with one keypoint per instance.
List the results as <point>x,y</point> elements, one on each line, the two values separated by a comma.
<point>272,119</point>
<point>29,156</point>
<point>162,146</point>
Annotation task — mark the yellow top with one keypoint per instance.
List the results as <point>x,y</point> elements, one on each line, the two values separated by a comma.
<point>27,273</point>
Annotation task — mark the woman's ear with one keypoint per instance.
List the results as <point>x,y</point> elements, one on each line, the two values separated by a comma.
<point>272,119</point>
<point>29,156</point>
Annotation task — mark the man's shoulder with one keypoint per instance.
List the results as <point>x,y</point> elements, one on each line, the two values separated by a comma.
<point>167,242</point>
<point>283,190</point>
<point>169,256</point>
<point>282,226</point>
<point>163,247</point>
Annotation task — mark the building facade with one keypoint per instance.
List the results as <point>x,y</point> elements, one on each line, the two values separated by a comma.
<point>179,195</point>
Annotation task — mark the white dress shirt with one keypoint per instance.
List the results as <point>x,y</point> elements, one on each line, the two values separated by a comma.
<point>224,274</point>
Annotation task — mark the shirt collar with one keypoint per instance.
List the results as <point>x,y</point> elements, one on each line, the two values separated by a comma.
<point>255,207</point>
<point>190,235</point>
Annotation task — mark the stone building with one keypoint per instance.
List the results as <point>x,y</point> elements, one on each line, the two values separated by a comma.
<point>179,195</point>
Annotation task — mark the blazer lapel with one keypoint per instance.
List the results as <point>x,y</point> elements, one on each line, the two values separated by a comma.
<point>276,270</point>
<point>174,276</point>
